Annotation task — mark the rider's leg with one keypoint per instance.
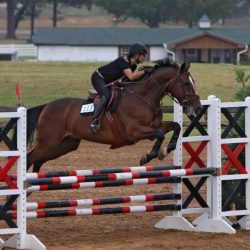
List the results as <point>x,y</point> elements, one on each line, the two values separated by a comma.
<point>100,86</point>
<point>100,107</point>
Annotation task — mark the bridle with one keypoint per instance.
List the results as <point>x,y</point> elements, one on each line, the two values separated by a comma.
<point>186,100</point>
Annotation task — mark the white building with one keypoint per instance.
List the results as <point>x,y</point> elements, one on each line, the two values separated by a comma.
<point>105,44</point>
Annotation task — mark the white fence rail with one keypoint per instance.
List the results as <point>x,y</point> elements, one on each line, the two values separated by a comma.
<point>23,50</point>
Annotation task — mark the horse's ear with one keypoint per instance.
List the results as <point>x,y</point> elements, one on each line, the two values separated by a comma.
<point>182,68</point>
<point>185,67</point>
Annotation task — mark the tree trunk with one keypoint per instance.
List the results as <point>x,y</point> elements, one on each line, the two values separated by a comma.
<point>10,20</point>
<point>190,24</point>
<point>19,15</point>
<point>32,20</point>
<point>54,13</point>
<point>153,22</point>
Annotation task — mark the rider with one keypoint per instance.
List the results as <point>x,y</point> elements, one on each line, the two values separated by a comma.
<point>122,66</point>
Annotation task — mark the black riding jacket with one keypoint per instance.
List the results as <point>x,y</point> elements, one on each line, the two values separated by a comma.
<point>114,70</point>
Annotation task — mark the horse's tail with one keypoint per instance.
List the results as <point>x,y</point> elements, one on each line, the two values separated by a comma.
<point>32,119</point>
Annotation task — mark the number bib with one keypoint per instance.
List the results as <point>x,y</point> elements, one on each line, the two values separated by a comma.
<point>87,108</point>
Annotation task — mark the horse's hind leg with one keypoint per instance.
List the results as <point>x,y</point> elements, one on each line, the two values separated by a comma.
<point>169,126</point>
<point>39,155</point>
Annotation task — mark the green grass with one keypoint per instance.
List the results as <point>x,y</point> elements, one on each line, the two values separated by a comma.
<point>216,79</point>
<point>43,82</point>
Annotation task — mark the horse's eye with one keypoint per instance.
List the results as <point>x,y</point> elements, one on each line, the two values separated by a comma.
<point>186,84</point>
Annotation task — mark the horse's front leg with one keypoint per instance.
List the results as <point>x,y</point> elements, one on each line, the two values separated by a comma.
<point>159,135</point>
<point>167,127</point>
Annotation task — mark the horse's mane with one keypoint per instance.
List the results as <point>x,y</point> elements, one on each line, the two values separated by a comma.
<point>166,62</point>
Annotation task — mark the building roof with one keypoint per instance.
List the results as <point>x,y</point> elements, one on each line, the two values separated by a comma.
<point>128,36</point>
<point>204,18</point>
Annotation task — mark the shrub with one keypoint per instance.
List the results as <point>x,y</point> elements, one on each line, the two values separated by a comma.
<point>241,76</point>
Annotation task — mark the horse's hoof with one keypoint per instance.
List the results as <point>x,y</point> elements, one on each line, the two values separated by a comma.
<point>171,147</point>
<point>162,153</point>
<point>144,160</point>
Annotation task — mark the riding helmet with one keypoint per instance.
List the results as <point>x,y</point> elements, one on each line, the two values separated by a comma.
<point>137,48</point>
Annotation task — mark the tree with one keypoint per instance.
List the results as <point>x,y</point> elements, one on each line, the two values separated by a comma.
<point>55,2</point>
<point>155,12</point>
<point>152,13</point>
<point>117,8</point>
<point>10,19</point>
<point>75,3</point>
<point>243,7</point>
<point>14,14</point>
<point>220,9</point>
<point>241,76</point>
<point>33,11</point>
<point>190,11</point>
<point>16,10</point>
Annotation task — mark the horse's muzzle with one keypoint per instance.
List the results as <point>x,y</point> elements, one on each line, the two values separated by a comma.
<point>197,110</point>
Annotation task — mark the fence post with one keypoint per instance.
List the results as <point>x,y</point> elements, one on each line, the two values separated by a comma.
<point>22,240</point>
<point>214,221</point>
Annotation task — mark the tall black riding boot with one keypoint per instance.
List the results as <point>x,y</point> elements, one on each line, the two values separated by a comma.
<point>100,107</point>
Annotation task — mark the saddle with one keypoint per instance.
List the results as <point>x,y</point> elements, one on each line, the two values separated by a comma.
<point>93,98</point>
<point>115,91</point>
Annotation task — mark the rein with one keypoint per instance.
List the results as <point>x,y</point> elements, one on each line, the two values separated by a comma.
<point>148,103</point>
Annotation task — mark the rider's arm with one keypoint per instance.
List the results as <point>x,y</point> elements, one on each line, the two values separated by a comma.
<point>133,75</point>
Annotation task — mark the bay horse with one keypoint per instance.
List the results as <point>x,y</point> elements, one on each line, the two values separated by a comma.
<point>60,127</point>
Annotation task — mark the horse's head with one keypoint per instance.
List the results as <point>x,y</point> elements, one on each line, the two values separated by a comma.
<point>183,90</point>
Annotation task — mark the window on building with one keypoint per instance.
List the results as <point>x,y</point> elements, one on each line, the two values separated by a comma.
<point>191,51</point>
<point>216,53</point>
<point>191,55</point>
<point>228,56</point>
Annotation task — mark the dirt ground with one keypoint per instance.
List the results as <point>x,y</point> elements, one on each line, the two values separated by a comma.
<point>121,231</point>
